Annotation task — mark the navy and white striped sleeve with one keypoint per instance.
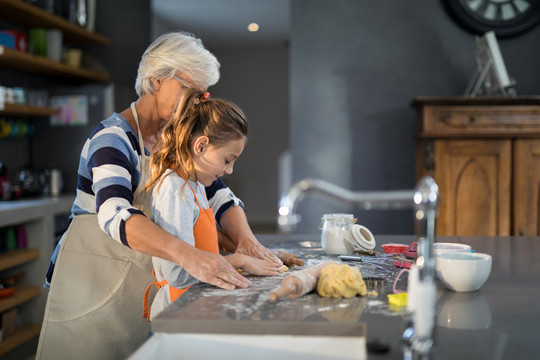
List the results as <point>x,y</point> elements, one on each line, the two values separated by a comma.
<point>221,198</point>
<point>113,164</point>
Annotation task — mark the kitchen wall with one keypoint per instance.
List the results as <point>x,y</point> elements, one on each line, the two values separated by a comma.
<point>355,67</point>
<point>257,80</point>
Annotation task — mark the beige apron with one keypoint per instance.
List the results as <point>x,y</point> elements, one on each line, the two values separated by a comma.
<point>94,305</point>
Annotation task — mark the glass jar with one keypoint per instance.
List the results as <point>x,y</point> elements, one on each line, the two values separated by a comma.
<point>336,233</point>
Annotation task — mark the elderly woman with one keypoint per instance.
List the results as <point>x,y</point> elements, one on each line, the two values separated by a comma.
<point>101,267</point>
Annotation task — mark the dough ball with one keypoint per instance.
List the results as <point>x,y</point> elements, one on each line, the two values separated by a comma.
<point>284,268</point>
<point>341,281</point>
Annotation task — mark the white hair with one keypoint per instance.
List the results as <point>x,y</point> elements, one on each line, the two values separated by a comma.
<point>177,52</point>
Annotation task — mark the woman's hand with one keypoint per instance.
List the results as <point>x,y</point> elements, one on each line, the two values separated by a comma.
<point>204,266</point>
<point>253,265</point>
<point>213,269</point>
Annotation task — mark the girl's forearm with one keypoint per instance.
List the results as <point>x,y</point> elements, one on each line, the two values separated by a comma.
<point>234,223</point>
<point>237,261</point>
<point>225,243</point>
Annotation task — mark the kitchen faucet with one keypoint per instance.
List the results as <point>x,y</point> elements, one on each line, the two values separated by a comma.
<point>417,340</point>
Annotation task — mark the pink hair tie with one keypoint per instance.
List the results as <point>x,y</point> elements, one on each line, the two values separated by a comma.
<point>205,96</point>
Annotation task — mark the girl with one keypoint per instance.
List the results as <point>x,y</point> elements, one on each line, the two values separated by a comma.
<point>199,145</point>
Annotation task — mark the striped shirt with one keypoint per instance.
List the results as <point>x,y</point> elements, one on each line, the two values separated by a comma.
<point>110,171</point>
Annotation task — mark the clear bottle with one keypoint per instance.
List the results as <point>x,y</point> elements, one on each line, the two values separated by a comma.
<point>5,193</point>
<point>336,233</point>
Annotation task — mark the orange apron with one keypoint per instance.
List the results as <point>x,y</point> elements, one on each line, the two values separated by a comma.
<point>205,234</point>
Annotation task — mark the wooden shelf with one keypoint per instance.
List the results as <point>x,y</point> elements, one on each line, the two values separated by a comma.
<point>25,14</point>
<point>22,294</point>
<point>22,335</point>
<point>421,101</point>
<point>15,109</point>
<point>41,65</point>
<point>17,257</point>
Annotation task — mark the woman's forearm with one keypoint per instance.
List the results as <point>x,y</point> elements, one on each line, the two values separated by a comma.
<point>234,223</point>
<point>225,243</point>
<point>145,236</point>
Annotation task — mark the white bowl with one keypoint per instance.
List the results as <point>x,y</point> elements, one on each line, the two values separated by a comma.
<point>461,271</point>
<point>443,247</point>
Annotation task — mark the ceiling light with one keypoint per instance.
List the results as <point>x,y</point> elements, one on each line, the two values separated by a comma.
<point>253,27</point>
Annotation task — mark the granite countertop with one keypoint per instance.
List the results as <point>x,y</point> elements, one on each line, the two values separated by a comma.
<point>501,320</point>
<point>208,303</point>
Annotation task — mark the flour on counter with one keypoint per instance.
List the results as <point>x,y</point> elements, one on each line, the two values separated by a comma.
<point>253,303</point>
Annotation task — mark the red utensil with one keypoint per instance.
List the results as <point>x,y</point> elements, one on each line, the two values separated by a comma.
<point>394,248</point>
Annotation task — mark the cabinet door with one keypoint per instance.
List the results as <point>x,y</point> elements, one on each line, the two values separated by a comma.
<point>474,182</point>
<point>526,187</point>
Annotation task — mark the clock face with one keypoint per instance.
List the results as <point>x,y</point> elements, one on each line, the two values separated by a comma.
<point>506,18</point>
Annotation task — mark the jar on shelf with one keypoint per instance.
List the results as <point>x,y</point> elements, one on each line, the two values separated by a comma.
<point>336,233</point>
<point>4,183</point>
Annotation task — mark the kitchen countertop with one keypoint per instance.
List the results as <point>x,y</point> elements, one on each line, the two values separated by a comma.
<point>27,209</point>
<point>500,321</point>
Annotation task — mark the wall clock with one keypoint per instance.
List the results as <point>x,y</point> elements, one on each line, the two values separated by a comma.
<point>506,18</point>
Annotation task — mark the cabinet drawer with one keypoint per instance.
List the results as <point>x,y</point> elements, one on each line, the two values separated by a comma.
<point>481,121</point>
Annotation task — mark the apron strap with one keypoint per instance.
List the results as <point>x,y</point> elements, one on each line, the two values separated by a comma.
<point>139,133</point>
<point>139,195</point>
<point>147,308</point>
<point>193,191</point>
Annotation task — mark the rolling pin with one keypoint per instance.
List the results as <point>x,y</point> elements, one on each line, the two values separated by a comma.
<point>288,258</point>
<point>299,283</point>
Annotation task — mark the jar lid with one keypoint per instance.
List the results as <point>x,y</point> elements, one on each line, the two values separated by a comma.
<point>338,217</point>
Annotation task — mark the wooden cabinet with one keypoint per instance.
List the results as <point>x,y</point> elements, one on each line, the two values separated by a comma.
<point>526,187</point>
<point>474,183</point>
<point>484,153</point>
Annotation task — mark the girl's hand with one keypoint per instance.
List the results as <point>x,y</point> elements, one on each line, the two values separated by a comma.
<point>213,269</point>
<point>241,239</point>
<point>250,246</point>
<point>254,265</point>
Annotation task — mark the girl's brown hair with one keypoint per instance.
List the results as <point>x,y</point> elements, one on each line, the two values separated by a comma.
<point>218,119</point>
